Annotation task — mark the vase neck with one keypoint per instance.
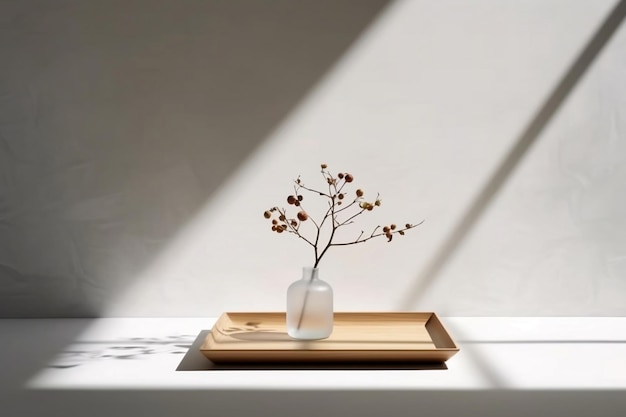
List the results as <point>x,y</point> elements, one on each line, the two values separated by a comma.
<point>310,274</point>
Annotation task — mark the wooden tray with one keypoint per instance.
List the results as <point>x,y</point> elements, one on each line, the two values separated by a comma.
<point>356,337</point>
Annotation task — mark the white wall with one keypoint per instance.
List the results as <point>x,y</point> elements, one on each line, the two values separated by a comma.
<point>140,145</point>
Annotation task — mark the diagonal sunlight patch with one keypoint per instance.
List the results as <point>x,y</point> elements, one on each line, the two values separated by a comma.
<point>401,112</point>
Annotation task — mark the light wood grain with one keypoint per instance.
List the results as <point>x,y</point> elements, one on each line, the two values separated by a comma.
<point>355,337</point>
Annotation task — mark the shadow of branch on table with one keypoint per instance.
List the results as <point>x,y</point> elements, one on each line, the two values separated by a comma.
<point>82,352</point>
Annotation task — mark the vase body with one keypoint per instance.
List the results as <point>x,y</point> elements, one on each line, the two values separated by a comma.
<point>309,307</point>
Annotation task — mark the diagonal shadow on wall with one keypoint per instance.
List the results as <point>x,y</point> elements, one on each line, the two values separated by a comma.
<point>120,119</point>
<point>522,144</point>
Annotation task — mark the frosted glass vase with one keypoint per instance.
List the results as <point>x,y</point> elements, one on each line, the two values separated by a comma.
<point>309,307</point>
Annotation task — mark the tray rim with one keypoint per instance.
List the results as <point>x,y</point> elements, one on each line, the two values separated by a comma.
<point>215,353</point>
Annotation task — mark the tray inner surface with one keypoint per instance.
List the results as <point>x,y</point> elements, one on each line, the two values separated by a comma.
<point>352,332</point>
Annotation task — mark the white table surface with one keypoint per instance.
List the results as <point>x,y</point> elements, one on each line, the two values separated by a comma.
<point>504,363</point>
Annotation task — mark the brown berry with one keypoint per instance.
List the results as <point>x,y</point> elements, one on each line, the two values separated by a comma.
<point>294,223</point>
<point>408,225</point>
<point>273,228</point>
<point>302,216</point>
<point>392,227</point>
<point>291,199</point>
<point>377,202</point>
<point>274,221</point>
<point>349,178</point>
<point>281,218</point>
<point>340,196</point>
<point>267,214</point>
<point>279,229</point>
<point>300,198</point>
<point>389,236</point>
<point>359,193</point>
<point>386,229</point>
<point>297,203</point>
<point>324,166</point>
<point>340,175</point>
<point>401,232</point>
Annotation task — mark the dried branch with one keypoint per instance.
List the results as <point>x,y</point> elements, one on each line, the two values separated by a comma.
<point>336,197</point>
<point>375,235</point>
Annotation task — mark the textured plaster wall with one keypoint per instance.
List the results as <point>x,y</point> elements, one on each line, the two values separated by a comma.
<point>140,142</point>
